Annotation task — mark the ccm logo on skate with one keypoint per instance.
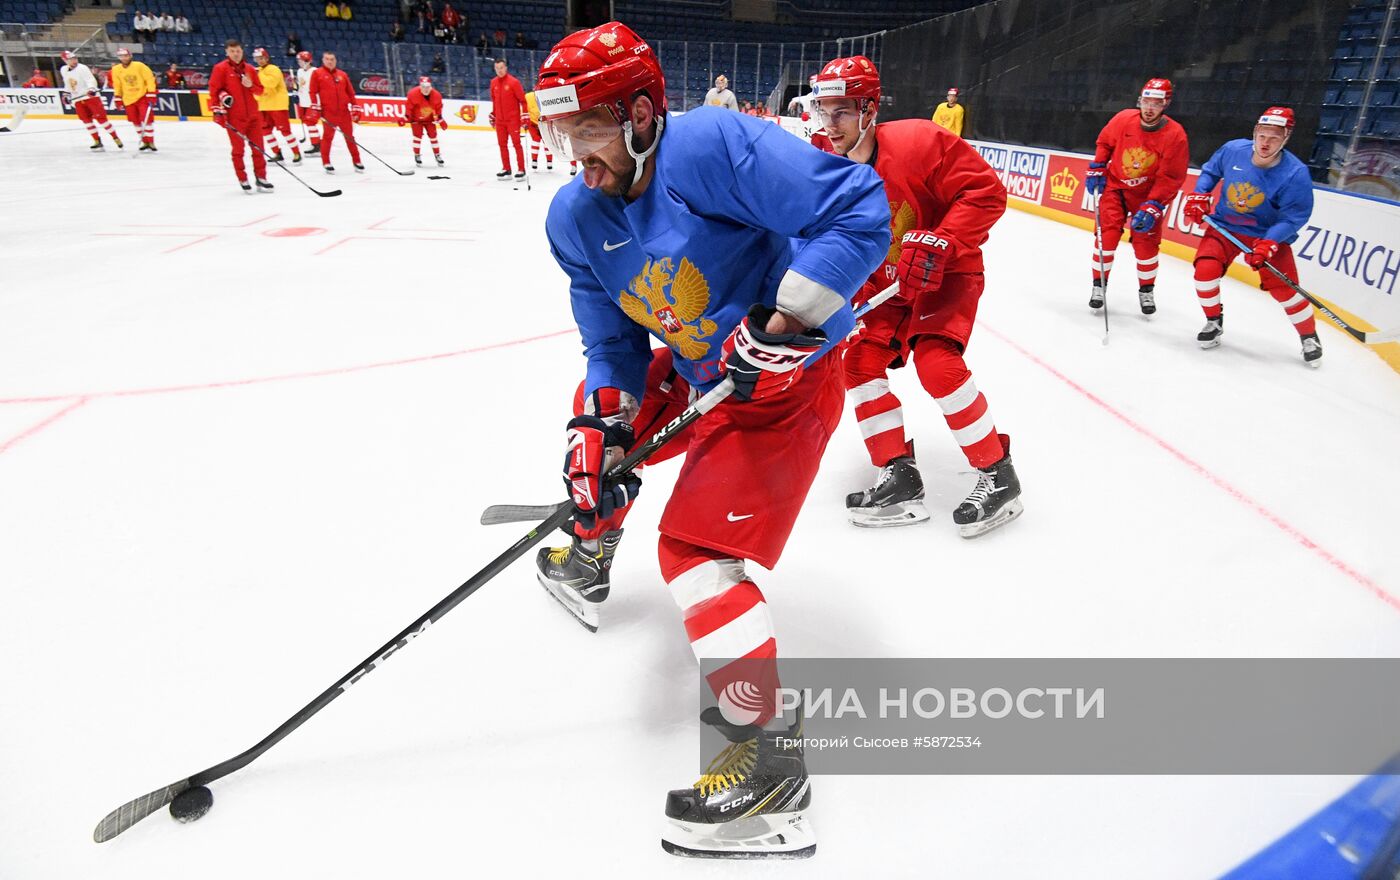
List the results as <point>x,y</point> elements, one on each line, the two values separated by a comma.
<point>397,646</point>
<point>927,238</point>
<point>738,802</point>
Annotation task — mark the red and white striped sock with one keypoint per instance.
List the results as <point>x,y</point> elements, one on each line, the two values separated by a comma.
<point>417,144</point>
<point>1208,292</point>
<point>726,619</point>
<point>1102,271</point>
<point>880,418</point>
<point>1147,271</point>
<point>1297,308</point>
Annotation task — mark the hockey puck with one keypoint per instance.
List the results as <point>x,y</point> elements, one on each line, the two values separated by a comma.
<point>192,803</point>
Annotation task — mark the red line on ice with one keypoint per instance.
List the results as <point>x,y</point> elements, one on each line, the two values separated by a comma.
<point>1220,483</point>
<point>283,377</point>
<point>40,425</point>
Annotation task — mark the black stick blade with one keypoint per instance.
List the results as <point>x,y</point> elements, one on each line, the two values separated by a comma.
<point>129,814</point>
<point>326,195</point>
<point>497,514</point>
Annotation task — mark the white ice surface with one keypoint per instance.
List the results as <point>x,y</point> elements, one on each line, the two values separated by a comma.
<point>184,562</point>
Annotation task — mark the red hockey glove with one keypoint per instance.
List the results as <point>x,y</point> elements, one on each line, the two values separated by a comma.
<point>117,104</point>
<point>923,257</point>
<point>1094,178</point>
<point>491,118</point>
<point>1196,208</point>
<point>585,467</point>
<point>1264,250</point>
<point>442,123</point>
<point>763,364</point>
<point>225,100</point>
<point>92,93</point>
<point>402,122</point>
<point>1147,216</point>
<point>354,114</point>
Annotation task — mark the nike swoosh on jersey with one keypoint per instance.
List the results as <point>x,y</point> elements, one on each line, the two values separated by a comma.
<point>613,247</point>
<point>732,518</point>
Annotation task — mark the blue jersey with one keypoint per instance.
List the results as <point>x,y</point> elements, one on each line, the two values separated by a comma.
<point>734,203</point>
<point>1271,203</point>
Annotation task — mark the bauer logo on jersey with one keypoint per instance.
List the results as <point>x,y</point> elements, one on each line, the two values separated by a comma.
<point>1135,163</point>
<point>829,88</point>
<point>671,305</point>
<point>1244,197</point>
<point>558,100</point>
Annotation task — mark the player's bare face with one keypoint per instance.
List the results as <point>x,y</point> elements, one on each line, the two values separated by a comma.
<point>235,54</point>
<point>1151,109</point>
<point>328,62</point>
<point>1268,142</point>
<point>841,119</point>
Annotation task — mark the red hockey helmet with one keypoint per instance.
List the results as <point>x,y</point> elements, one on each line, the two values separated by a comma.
<point>261,51</point>
<point>68,56</point>
<point>603,67</point>
<point>304,56</point>
<point>1157,88</point>
<point>1278,116</point>
<point>854,77</point>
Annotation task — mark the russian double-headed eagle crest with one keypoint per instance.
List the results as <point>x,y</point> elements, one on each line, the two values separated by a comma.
<point>1244,197</point>
<point>902,219</point>
<point>670,305</point>
<point>1136,161</point>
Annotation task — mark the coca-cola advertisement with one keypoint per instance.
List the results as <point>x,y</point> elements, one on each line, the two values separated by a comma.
<point>373,84</point>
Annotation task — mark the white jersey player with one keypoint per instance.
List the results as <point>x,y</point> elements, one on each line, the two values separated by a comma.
<point>310,119</point>
<point>77,80</point>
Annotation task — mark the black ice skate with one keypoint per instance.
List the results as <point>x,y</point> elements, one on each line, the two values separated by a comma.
<point>1210,334</point>
<point>1096,295</point>
<point>152,148</point>
<point>263,185</point>
<point>750,802</point>
<point>143,148</point>
<point>97,145</point>
<point>896,499</point>
<point>328,167</point>
<point>359,169</point>
<point>995,500</point>
<point>1146,301</point>
<point>503,175</point>
<point>548,165</point>
<point>520,175</point>
<point>438,157</point>
<point>247,187</point>
<point>313,149</point>
<point>417,159</point>
<point>118,142</point>
<point>277,157</point>
<point>577,578</point>
<point>1312,351</point>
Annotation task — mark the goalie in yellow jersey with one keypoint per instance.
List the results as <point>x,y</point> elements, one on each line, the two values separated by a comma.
<point>272,104</point>
<point>949,114</point>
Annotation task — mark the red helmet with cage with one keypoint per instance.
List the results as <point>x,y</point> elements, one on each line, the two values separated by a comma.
<point>1278,116</point>
<point>603,67</point>
<point>304,56</point>
<point>853,77</point>
<point>1157,88</point>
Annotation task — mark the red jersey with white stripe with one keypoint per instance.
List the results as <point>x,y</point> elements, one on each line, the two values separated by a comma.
<point>935,180</point>
<point>1149,164</point>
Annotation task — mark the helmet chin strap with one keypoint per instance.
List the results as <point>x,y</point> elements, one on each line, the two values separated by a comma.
<point>644,154</point>
<point>864,129</point>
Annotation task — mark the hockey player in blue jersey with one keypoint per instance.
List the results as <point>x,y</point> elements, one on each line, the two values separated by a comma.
<point>1266,197</point>
<point>739,248</point>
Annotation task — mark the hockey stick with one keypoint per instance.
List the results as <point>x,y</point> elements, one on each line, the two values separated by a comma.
<point>356,142</point>
<point>1103,276</point>
<point>498,514</point>
<point>1371,337</point>
<point>130,813</point>
<point>251,145</point>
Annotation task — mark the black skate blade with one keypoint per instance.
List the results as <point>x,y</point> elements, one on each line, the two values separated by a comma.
<point>676,849</point>
<point>591,627</point>
<point>1011,511</point>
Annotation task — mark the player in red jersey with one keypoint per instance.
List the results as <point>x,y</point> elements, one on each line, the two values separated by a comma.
<point>1138,168</point>
<point>943,198</point>
<point>423,111</point>
<point>333,100</point>
<point>233,90</point>
<point>507,108</point>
